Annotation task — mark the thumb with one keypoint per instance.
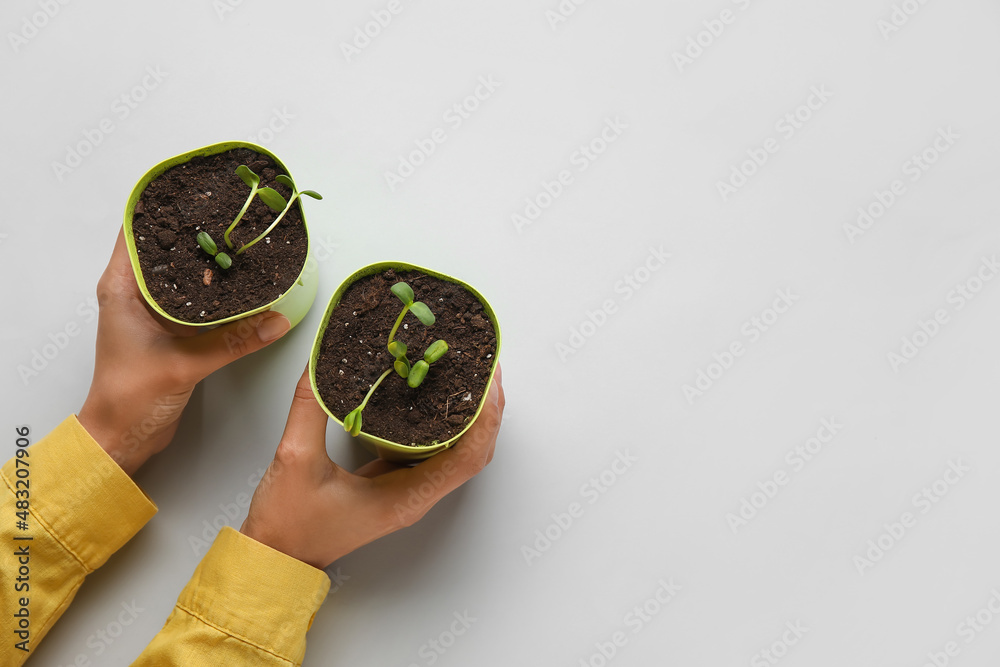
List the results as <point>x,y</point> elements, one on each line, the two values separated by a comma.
<point>305,429</point>
<point>214,349</point>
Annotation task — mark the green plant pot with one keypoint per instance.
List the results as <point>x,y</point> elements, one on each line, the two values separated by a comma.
<point>386,449</point>
<point>294,303</point>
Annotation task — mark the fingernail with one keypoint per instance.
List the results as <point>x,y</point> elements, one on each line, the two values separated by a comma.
<point>273,327</point>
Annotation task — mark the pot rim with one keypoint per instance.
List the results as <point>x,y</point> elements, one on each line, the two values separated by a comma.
<point>376,444</point>
<point>157,170</point>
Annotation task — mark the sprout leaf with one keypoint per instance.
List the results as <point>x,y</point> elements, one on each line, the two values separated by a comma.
<point>404,292</point>
<point>207,244</point>
<point>247,175</point>
<point>435,351</point>
<point>422,312</point>
<point>417,374</point>
<point>272,198</point>
<point>352,422</point>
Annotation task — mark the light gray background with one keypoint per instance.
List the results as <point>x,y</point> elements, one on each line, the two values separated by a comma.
<point>229,74</point>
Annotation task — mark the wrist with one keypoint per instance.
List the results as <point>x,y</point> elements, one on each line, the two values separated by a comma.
<point>254,532</point>
<point>120,436</point>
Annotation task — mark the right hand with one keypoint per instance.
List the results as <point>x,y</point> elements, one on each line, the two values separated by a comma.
<point>310,508</point>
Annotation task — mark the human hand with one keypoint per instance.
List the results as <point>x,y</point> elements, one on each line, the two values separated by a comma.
<point>310,508</point>
<point>146,367</point>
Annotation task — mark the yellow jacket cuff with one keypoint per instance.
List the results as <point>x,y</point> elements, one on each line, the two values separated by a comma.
<point>256,594</point>
<point>80,496</point>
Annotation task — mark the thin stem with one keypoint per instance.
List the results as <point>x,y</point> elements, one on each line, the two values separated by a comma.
<point>273,224</point>
<point>395,327</point>
<point>372,390</point>
<point>235,222</point>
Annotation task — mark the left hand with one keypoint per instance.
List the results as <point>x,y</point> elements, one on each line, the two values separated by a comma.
<point>146,367</point>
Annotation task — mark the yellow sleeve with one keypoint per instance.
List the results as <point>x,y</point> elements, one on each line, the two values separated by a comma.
<point>246,604</point>
<point>64,509</point>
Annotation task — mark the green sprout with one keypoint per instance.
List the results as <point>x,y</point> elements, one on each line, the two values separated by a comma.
<point>278,203</point>
<point>271,197</point>
<point>252,180</point>
<point>208,245</point>
<point>414,374</point>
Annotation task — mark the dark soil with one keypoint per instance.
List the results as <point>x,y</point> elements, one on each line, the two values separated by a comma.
<point>353,355</point>
<point>205,194</point>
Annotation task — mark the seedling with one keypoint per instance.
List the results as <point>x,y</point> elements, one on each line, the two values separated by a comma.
<point>278,203</point>
<point>413,374</point>
<point>269,196</point>
<point>208,245</point>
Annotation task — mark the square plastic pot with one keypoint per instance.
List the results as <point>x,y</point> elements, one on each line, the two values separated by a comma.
<point>387,449</point>
<point>294,303</point>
